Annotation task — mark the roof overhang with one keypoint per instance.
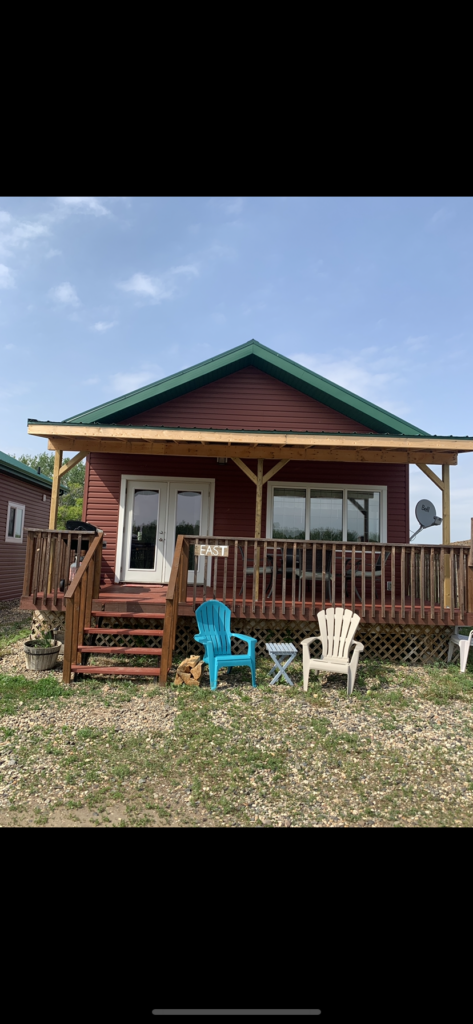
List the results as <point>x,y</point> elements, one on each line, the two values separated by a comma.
<point>197,443</point>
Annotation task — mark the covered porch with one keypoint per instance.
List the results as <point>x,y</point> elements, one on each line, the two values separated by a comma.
<point>267,576</point>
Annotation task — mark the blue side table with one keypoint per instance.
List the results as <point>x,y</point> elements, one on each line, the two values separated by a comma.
<point>276,652</point>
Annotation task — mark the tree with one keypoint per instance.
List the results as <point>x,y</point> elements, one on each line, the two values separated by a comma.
<point>70,504</point>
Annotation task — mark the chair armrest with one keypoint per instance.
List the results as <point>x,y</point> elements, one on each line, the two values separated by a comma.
<point>310,640</point>
<point>248,639</point>
<point>357,646</point>
<point>201,638</point>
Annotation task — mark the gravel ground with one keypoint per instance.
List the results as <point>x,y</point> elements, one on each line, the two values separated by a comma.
<point>399,753</point>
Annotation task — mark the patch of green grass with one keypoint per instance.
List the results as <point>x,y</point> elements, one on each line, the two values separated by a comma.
<point>16,689</point>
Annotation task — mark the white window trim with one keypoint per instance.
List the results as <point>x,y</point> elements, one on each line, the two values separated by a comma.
<point>161,480</point>
<point>293,484</point>
<point>15,540</point>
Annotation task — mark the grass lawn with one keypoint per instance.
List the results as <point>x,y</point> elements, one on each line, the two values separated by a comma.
<point>111,752</point>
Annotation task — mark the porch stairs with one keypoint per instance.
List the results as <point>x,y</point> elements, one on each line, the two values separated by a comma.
<point>88,608</point>
<point>111,649</point>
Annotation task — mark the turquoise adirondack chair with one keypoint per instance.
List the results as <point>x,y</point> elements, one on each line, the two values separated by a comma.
<point>213,620</point>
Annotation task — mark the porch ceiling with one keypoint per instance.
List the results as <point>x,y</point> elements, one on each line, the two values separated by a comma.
<point>251,444</point>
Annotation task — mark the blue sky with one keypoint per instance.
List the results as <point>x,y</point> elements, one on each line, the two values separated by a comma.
<point>101,295</point>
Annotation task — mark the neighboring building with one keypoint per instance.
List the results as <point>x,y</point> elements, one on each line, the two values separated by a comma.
<point>25,499</point>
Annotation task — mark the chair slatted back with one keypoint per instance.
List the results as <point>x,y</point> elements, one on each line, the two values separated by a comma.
<point>337,629</point>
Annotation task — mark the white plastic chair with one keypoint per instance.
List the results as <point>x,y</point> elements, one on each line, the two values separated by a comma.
<point>464,643</point>
<point>337,631</point>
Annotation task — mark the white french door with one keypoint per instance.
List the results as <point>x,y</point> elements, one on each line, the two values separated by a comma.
<point>156,511</point>
<point>145,531</point>
<point>189,509</point>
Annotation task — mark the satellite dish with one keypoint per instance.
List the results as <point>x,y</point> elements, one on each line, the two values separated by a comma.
<point>426,516</point>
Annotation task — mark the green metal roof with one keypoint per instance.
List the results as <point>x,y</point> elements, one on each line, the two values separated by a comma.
<point>256,430</point>
<point>252,353</point>
<point>15,468</point>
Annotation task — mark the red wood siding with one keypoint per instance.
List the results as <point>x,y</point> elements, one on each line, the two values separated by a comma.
<point>234,514</point>
<point>245,400</point>
<point>12,556</point>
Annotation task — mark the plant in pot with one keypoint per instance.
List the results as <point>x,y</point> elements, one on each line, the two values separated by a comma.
<point>41,652</point>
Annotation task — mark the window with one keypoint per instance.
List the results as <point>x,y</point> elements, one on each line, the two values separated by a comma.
<point>15,523</point>
<point>327,513</point>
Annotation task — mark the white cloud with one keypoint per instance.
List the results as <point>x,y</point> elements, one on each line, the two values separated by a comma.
<point>6,277</point>
<point>17,234</point>
<point>53,252</point>
<point>101,325</point>
<point>157,288</point>
<point>351,374</point>
<point>235,206</point>
<point>122,383</point>
<point>65,294</point>
<point>442,216</point>
<point>416,343</point>
<point>84,204</point>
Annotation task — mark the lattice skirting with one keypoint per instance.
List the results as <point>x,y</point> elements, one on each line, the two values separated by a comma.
<point>415,644</point>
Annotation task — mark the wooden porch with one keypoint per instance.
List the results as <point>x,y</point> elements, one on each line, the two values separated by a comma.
<point>257,579</point>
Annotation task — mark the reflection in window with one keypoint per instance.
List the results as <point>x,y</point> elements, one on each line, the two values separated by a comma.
<point>188,515</point>
<point>289,513</point>
<point>326,515</point>
<point>363,516</point>
<point>143,539</point>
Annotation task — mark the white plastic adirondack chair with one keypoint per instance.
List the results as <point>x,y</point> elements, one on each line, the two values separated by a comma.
<point>337,630</point>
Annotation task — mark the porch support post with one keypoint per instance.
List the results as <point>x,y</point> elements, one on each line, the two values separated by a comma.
<point>258,511</point>
<point>55,491</point>
<point>446,531</point>
<point>470,573</point>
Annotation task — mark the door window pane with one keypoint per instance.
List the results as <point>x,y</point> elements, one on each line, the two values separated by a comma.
<point>289,513</point>
<point>326,515</point>
<point>363,516</point>
<point>144,528</point>
<point>188,517</point>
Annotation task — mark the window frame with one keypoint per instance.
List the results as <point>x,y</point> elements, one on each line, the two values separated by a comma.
<point>314,485</point>
<point>15,540</point>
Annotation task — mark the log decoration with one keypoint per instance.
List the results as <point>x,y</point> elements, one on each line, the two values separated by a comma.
<point>189,671</point>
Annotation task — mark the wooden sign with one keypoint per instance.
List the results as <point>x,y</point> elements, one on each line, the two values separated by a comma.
<point>212,549</point>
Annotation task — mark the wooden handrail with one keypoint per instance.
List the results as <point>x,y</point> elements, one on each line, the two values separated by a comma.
<point>78,599</point>
<point>173,595</point>
<point>97,541</point>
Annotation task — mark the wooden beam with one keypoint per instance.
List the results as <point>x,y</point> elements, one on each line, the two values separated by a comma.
<point>246,469</point>
<point>275,469</point>
<point>271,453</point>
<point>432,476</point>
<point>259,499</point>
<point>366,441</point>
<point>446,532</point>
<point>73,462</point>
<point>55,492</point>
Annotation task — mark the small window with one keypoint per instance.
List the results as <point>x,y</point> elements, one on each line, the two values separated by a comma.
<point>15,523</point>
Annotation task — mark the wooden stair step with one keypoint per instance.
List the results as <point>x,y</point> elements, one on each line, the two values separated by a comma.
<point>152,651</point>
<point>122,632</point>
<point>110,670</point>
<point>128,615</point>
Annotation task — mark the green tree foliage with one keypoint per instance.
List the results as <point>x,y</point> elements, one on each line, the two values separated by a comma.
<point>70,504</point>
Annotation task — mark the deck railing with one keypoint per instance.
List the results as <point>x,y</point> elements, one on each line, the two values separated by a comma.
<point>386,582</point>
<point>50,555</point>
